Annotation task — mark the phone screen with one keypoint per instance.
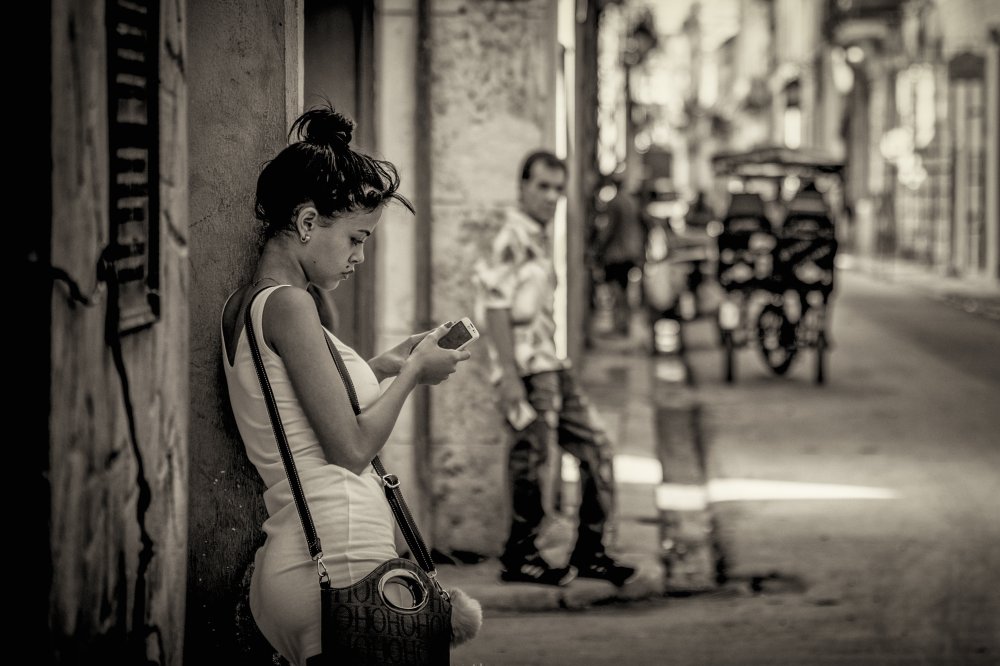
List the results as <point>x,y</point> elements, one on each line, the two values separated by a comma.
<point>456,336</point>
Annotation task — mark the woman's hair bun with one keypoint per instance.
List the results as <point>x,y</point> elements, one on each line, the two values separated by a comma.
<point>319,166</point>
<point>324,126</point>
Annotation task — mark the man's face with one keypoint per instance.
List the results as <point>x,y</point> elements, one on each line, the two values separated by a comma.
<point>541,192</point>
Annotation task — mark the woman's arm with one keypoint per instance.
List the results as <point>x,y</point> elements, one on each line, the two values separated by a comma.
<point>291,326</point>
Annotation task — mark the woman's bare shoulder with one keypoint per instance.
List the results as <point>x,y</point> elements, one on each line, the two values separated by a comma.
<point>289,312</point>
<point>290,302</point>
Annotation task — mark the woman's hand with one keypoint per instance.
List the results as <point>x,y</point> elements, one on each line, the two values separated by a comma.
<point>389,363</point>
<point>431,363</point>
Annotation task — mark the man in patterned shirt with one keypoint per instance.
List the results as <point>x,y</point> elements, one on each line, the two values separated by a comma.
<point>517,287</point>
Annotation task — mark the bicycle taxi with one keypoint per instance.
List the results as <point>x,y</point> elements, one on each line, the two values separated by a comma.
<point>776,255</point>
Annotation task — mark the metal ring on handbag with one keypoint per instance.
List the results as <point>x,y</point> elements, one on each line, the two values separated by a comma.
<point>413,585</point>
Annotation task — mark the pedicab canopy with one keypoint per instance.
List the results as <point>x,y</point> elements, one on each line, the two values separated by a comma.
<point>807,203</point>
<point>746,204</point>
<point>776,162</point>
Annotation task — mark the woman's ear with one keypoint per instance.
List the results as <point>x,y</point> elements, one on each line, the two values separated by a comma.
<point>306,218</point>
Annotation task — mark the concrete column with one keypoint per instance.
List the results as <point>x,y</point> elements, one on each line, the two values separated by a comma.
<point>945,184</point>
<point>396,284</point>
<point>492,101</point>
<point>244,63</point>
<point>960,141</point>
<point>992,125</point>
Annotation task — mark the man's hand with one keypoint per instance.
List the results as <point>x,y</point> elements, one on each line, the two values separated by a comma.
<point>511,392</point>
<point>499,328</point>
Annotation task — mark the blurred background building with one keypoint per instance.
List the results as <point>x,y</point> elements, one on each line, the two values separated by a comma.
<point>905,93</point>
<point>163,113</point>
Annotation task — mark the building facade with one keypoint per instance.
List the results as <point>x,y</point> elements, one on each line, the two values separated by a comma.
<point>154,509</point>
<point>905,92</point>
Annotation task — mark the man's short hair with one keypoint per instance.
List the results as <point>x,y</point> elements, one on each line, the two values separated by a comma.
<point>546,158</point>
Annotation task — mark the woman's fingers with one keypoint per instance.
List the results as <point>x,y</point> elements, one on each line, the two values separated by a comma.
<point>437,363</point>
<point>436,333</point>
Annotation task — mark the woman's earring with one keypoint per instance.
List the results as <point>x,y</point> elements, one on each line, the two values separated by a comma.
<point>305,239</point>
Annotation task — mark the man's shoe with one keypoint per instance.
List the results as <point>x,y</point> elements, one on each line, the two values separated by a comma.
<point>603,567</point>
<point>536,570</point>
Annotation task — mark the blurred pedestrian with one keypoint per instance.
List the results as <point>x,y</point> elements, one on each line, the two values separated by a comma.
<point>518,286</point>
<point>696,221</point>
<point>621,247</point>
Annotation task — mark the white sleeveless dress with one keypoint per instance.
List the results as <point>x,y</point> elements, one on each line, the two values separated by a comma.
<point>351,514</point>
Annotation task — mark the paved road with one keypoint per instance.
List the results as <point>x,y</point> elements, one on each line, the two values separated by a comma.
<point>911,411</point>
<point>858,520</point>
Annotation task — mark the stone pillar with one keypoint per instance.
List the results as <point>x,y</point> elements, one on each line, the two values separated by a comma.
<point>492,101</point>
<point>245,87</point>
<point>396,283</point>
<point>992,126</point>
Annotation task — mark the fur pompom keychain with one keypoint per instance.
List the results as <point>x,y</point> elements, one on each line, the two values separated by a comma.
<point>466,617</point>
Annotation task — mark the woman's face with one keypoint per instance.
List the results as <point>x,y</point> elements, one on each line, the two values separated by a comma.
<point>335,250</point>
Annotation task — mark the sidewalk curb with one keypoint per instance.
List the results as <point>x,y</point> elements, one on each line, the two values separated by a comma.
<point>687,547</point>
<point>974,295</point>
<point>686,521</point>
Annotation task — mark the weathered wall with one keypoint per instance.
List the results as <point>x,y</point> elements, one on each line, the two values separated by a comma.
<point>492,101</point>
<point>100,477</point>
<point>244,84</point>
<point>965,24</point>
<point>972,25</point>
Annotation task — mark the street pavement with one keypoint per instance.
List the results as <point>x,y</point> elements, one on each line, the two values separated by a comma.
<point>646,405</point>
<point>979,297</point>
<point>665,522</point>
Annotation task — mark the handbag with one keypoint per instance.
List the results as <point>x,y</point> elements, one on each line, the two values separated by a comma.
<point>364,623</point>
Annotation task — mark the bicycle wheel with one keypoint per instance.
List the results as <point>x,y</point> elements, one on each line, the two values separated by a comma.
<point>776,338</point>
<point>821,358</point>
<point>811,333</point>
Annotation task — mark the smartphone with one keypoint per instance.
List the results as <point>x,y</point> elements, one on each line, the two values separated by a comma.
<point>460,335</point>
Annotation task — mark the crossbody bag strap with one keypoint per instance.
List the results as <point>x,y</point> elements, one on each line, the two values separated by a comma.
<point>298,495</point>
<point>389,481</point>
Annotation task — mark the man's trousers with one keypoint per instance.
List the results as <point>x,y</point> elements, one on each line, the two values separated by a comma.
<point>564,416</point>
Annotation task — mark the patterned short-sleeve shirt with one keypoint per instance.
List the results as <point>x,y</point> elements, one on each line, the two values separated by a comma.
<point>520,276</point>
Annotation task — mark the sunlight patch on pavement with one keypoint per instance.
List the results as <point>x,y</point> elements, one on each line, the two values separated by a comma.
<point>670,370</point>
<point>628,469</point>
<point>681,497</point>
<point>740,490</point>
<point>691,497</point>
<point>695,497</point>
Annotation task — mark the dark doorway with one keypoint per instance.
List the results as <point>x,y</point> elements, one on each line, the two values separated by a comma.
<point>339,67</point>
